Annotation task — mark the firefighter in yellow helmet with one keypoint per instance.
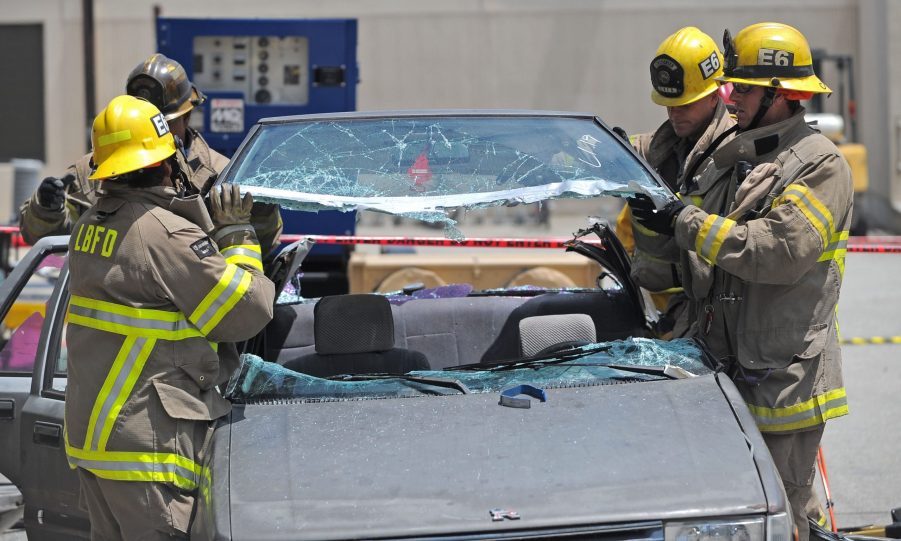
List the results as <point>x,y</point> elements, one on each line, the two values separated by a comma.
<point>156,283</point>
<point>58,202</point>
<point>763,267</point>
<point>683,79</point>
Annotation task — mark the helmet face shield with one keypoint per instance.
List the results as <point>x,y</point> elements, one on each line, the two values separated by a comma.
<point>730,57</point>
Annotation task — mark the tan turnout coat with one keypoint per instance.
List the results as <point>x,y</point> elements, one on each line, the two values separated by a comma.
<point>151,297</point>
<point>764,281</point>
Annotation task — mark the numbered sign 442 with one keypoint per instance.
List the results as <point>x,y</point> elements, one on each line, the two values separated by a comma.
<point>226,115</point>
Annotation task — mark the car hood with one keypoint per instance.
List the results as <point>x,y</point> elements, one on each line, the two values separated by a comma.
<point>422,164</point>
<point>437,465</point>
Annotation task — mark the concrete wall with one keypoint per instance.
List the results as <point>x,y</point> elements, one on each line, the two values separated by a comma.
<point>589,55</point>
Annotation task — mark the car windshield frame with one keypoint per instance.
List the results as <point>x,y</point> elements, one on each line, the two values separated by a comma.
<point>425,195</point>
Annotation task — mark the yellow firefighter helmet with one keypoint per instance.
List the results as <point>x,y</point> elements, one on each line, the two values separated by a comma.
<point>771,54</point>
<point>685,68</point>
<point>128,135</point>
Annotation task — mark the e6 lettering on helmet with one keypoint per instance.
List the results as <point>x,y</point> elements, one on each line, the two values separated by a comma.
<point>160,125</point>
<point>775,57</point>
<point>91,236</point>
<point>709,65</point>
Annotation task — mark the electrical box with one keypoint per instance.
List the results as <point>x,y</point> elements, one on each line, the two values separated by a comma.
<point>259,68</point>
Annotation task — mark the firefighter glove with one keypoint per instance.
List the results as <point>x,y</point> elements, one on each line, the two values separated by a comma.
<point>227,207</point>
<point>661,221</point>
<point>52,192</point>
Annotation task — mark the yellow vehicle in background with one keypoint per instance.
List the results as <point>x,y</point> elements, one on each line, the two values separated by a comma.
<point>837,120</point>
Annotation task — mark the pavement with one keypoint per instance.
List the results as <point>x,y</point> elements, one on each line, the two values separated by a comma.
<point>10,511</point>
<point>861,449</point>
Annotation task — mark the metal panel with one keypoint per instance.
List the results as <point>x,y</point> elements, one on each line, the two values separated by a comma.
<point>22,95</point>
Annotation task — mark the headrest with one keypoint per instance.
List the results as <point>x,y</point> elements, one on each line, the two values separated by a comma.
<point>353,324</point>
<point>539,332</point>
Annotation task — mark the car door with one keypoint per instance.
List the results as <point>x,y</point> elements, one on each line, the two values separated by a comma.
<point>50,488</point>
<point>24,296</point>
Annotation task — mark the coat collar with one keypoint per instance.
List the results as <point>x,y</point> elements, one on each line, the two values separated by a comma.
<point>763,144</point>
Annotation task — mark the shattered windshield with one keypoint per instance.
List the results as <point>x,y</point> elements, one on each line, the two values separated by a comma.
<point>258,379</point>
<point>419,166</point>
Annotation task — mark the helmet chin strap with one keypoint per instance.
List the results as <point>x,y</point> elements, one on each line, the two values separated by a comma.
<point>769,95</point>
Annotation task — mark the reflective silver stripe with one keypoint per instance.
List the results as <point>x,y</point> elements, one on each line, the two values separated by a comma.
<point>112,465</point>
<point>111,397</point>
<point>840,244</point>
<point>718,224</point>
<point>803,196</point>
<point>139,323</point>
<point>223,297</point>
<point>241,251</point>
<point>816,411</point>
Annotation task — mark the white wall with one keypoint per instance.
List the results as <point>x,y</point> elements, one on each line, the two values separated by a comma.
<point>589,55</point>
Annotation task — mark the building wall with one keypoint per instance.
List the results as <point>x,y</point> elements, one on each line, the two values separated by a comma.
<point>587,55</point>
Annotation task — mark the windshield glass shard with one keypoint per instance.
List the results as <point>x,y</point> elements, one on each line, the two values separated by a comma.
<point>423,166</point>
<point>258,379</point>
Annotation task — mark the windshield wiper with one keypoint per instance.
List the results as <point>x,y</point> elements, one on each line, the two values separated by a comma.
<point>665,371</point>
<point>449,383</point>
<point>531,362</point>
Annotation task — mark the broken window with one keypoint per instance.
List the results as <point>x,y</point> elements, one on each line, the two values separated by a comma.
<point>258,379</point>
<point>421,167</point>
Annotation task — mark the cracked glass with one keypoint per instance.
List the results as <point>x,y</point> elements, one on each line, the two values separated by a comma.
<point>423,166</point>
<point>259,379</point>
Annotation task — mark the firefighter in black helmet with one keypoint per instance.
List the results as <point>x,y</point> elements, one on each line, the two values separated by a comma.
<point>58,202</point>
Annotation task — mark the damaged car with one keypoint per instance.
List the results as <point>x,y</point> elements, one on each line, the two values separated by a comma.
<point>433,413</point>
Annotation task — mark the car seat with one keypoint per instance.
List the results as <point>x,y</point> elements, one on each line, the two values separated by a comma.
<point>546,334</point>
<point>354,334</point>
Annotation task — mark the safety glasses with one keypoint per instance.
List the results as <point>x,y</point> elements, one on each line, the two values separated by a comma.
<point>742,88</point>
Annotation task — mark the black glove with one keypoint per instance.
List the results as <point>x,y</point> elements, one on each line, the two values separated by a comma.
<point>661,221</point>
<point>622,133</point>
<point>52,192</point>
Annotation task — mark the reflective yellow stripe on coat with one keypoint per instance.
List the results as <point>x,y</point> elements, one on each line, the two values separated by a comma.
<point>247,254</point>
<point>813,412</point>
<point>812,208</point>
<point>142,327</point>
<point>138,466</point>
<point>711,236</point>
<point>121,319</point>
<point>836,249</point>
<point>221,299</point>
<point>116,389</point>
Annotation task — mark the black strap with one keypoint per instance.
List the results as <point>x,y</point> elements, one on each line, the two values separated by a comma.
<point>766,72</point>
<point>689,173</point>
<point>769,94</point>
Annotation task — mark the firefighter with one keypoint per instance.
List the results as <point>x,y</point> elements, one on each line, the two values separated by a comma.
<point>683,79</point>
<point>764,267</point>
<point>58,202</point>
<point>152,294</point>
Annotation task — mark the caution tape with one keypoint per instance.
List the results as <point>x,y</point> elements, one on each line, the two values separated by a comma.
<point>876,245</point>
<point>559,242</point>
<point>873,340</point>
<point>472,242</point>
